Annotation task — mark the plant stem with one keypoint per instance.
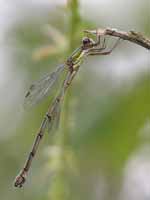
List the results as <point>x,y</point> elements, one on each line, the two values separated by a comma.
<point>60,187</point>
<point>74,22</point>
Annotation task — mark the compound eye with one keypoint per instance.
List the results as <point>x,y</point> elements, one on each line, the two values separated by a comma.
<point>86,41</point>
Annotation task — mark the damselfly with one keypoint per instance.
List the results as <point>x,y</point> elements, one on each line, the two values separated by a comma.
<point>42,87</point>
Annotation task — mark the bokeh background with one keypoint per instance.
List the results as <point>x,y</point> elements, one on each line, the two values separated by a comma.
<point>101,150</point>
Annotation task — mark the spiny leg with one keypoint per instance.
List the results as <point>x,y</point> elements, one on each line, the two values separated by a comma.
<point>93,52</point>
<point>98,42</point>
<point>101,47</point>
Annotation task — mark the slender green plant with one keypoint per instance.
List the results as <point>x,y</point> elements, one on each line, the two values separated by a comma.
<point>60,184</point>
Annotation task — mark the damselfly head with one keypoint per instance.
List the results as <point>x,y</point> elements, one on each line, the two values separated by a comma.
<point>87,42</point>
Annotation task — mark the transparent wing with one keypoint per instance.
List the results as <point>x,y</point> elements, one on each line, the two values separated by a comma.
<point>56,108</point>
<point>53,124</point>
<point>42,88</point>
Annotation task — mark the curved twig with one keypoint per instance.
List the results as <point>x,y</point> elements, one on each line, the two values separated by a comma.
<point>131,36</point>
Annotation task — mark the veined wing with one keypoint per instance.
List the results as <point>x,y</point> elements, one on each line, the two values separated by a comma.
<point>55,111</point>
<point>53,124</point>
<point>42,88</point>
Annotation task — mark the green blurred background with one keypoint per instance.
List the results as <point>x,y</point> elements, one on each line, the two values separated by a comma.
<point>101,150</point>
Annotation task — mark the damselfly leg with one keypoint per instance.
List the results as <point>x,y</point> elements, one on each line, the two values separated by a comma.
<point>99,51</point>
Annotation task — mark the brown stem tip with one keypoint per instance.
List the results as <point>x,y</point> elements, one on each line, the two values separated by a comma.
<point>20,179</point>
